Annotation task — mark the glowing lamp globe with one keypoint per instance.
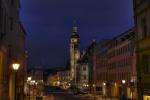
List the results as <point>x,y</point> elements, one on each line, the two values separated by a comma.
<point>15,66</point>
<point>123,81</point>
<point>104,84</point>
<point>29,78</point>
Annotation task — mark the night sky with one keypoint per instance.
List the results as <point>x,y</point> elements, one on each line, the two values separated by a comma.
<point>48,24</point>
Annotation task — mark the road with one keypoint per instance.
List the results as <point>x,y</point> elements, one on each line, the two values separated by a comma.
<point>65,96</point>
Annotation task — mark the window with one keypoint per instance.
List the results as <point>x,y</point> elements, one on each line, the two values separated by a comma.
<point>11,24</point>
<point>144,27</point>
<point>146,63</point>
<point>84,77</point>
<point>12,2</point>
<point>76,46</point>
<point>84,68</point>
<point>128,47</point>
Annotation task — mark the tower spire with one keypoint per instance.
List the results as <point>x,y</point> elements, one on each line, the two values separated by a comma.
<point>74,31</point>
<point>75,28</point>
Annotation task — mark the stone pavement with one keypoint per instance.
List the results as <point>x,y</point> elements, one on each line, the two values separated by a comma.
<point>99,97</point>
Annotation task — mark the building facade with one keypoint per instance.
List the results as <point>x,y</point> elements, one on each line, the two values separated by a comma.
<point>12,44</point>
<point>74,53</point>
<point>64,78</point>
<point>53,80</point>
<point>142,24</point>
<point>100,64</point>
<point>37,74</point>
<point>116,66</point>
<point>83,72</point>
<point>121,65</point>
<point>91,67</point>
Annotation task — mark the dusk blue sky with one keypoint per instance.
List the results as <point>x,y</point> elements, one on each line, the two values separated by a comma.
<point>48,24</point>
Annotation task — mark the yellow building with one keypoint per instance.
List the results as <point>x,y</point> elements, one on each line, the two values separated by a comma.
<point>53,80</point>
<point>3,58</point>
<point>142,23</point>
<point>64,78</point>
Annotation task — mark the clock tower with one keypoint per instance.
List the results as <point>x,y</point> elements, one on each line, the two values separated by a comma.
<point>74,53</point>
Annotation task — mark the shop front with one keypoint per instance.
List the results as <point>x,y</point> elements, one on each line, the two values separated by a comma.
<point>146,94</point>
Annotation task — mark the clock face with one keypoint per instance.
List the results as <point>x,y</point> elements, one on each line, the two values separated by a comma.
<point>74,40</point>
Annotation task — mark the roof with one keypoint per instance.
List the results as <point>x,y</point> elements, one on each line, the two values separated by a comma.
<point>74,31</point>
<point>75,35</point>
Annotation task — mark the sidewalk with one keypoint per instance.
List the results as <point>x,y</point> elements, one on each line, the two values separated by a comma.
<point>99,97</point>
<point>107,99</point>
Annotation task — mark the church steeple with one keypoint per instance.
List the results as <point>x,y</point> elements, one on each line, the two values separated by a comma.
<point>74,52</point>
<point>74,31</point>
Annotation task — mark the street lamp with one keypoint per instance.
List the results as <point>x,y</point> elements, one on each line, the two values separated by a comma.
<point>104,84</point>
<point>123,87</point>
<point>132,88</point>
<point>15,67</point>
<point>29,80</point>
<point>123,81</point>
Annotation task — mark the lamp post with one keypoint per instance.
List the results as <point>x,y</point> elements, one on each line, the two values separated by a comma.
<point>132,88</point>
<point>29,80</point>
<point>104,89</point>
<point>123,87</point>
<point>15,67</point>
